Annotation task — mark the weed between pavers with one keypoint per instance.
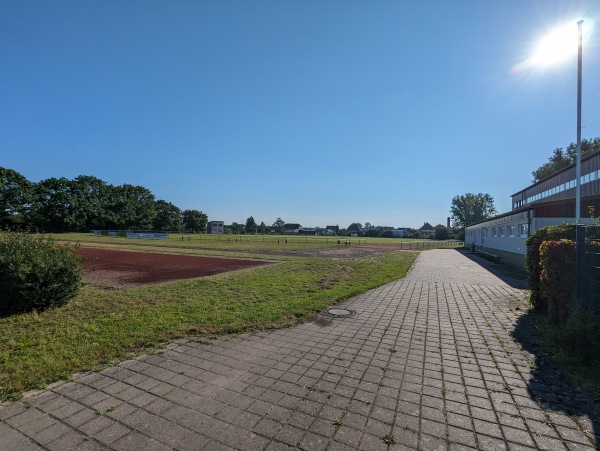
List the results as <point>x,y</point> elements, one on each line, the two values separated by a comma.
<point>389,439</point>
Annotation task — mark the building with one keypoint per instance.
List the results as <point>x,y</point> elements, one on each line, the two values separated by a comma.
<point>398,233</point>
<point>291,228</point>
<point>354,229</point>
<point>427,230</point>
<point>332,230</point>
<point>215,227</point>
<point>550,201</point>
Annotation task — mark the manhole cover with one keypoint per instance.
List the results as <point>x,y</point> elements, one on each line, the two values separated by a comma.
<point>337,312</point>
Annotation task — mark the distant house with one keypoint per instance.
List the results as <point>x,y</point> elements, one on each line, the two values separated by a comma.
<point>215,227</point>
<point>354,229</point>
<point>332,230</point>
<point>292,228</point>
<point>427,229</point>
<point>308,231</point>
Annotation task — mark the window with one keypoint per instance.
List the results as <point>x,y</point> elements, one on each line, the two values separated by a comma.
<point>500,231</point>
<point>494,231</point>
<point>523,230</point>
<point>510,231</point>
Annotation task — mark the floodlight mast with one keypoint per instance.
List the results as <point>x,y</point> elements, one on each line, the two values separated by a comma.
<point>578,157</point>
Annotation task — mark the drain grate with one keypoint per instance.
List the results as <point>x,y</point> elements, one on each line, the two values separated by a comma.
<point>339,312</point>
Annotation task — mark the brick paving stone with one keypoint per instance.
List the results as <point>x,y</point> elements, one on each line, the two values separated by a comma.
<point>111,433</point>
<point>433,361</point>
<point>68,441</point>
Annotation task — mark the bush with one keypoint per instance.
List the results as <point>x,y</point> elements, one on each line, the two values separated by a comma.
<point>534,270</point>
<point>581,333</point>
<point>557,280</point>
<point>36,273</point>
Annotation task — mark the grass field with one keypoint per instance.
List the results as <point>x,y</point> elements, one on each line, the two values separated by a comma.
<point>101,326</point>
<point>227,244</point>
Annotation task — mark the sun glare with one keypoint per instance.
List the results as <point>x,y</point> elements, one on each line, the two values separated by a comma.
<point>557,46</point>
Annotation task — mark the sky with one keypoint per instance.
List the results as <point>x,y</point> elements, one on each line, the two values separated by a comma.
<point>321,112</point>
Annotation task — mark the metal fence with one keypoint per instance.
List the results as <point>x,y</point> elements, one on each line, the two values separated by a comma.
<point>588,264</point>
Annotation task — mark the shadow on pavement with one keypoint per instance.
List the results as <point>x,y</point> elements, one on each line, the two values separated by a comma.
<point>548,386</point>
<point>498,269</point>
<point>551,388</point>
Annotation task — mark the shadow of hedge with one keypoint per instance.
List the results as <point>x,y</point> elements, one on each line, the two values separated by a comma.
<point>553,389</point>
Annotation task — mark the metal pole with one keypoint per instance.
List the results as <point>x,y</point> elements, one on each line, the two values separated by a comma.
<point>578,161</point>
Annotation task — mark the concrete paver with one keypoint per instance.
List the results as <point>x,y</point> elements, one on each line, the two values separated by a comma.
<point>437,360</point>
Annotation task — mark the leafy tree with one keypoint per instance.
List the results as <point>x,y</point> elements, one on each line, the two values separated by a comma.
<point>89,198</point>
<point>561,159</point>
<point>279,225</point>
<point>238,228</point>
<point>470,208</point>
<point>168,216</point>
<point>441,233</point>
<point>51,207</point>
<point>195,220</point>
<point>15,194</point>
<point>251,223</point>
<point>134,207</point>
<point>262,228</point>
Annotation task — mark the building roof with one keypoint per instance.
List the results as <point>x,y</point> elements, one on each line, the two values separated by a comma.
<point>587,157</point>
<point>426,228</point>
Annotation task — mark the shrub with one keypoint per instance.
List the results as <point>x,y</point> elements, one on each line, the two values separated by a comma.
<point>557,279</point>
<point>36,273</point>
<point>580,335</point>
<point>549,233</point>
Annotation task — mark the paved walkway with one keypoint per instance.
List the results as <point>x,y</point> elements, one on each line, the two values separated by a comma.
<point>432,361</point>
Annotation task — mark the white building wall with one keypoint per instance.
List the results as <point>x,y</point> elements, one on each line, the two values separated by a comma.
<point>507,236</point>
<point>509,233</point>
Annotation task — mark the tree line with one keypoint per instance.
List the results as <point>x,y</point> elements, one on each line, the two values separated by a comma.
<point>562,158</point>
<point>85,203</point>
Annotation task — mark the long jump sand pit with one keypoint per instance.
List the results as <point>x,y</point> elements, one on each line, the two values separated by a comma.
<point>121,269</point>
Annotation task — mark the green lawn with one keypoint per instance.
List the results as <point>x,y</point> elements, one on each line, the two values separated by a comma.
<point>100,326</point>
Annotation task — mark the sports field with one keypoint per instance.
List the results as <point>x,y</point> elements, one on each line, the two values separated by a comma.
<point>255,244</point>
<point>108,322</point>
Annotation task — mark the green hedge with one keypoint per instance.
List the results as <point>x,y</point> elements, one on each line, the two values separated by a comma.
<point>534,269</point>
<point>557,281</point>
<point>36,273</point>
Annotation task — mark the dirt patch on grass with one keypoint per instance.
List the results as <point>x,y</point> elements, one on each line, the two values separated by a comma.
<point>122,269</point>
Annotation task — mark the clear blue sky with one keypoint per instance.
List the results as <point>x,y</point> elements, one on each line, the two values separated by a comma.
<point>320,112</point>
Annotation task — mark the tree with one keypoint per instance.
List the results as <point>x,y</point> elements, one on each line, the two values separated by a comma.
<point>51,207</point>
<point>279,225</point>
<point>441,233</point>
<point>89,198</point>
<point>561,159</point>
<point>251,223</point>
<point>262,228</point>
<point>134,207</point>
<point>470,208</point>
<point>238,228</point>
<point>168,216</point>
<point>15,194</point>
<point>195,220</point>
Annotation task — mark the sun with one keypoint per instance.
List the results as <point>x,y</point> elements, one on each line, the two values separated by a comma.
<point>556,46</point>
